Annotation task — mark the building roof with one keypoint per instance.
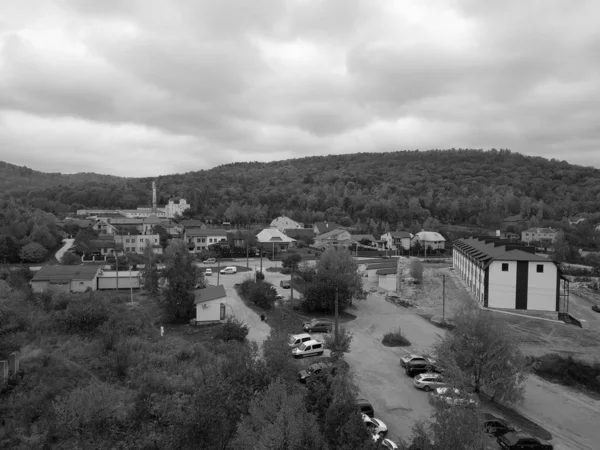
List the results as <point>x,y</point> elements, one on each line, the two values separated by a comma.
<point>275,222</point>
<point>331,234</point>
<point>387,271</point>
<point>153,218</point>
<point>324,227</point>
<point>430,236</point>
<point>515,218</point>
<point>297,233</point>
<point>66,273</point>
<point>490,249</point>
<point>272,235</point>
<point>210,293</point>
<point>399,234</point>
<point>192,223</point>
<point>540,230</point>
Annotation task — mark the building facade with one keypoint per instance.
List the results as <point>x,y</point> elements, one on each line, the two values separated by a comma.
<point>502,274</point>
<point>541,235</point>
<point>397,240</point>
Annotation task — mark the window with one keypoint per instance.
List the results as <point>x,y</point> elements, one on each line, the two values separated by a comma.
<point>540,268</point>
<point>504,267</point>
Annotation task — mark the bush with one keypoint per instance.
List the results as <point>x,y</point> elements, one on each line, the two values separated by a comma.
<point>233,330</point>
<point>259,276</point>
<point>70,259</point>
<point>568,371</point>
<point>395,339</point>
<point>82,316</point>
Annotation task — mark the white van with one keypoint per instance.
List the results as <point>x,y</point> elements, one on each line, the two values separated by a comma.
<point>231,269</point>
<point>308,348</point>
<point>297,339</point>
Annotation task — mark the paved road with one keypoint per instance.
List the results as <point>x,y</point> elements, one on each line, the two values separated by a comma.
<point>68,243</point>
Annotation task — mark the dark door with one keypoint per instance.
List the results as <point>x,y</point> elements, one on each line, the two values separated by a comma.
<point>522,282</point>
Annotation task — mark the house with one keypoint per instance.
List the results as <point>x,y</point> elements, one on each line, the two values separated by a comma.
<point>541,235</point>
<point>324,227</point>
<point>66,278</point>
<point>505,274</point>
<point>397,240</point>
<point>199,239</point>
<point>507,235</point>
<point>210,304</point>
<point>188,224</point>
<point>283,222</point>
<point>429,240</point>
<point>136,243</point>
<point>513,221</point>
<point>300,234</point>
<point>334,237</point>
<point>104,247</point>
<point>273,240</point>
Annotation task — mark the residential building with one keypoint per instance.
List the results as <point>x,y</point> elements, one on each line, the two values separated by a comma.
<point>300,233</point>
<point>334,237</point>
<point>273,240</point>
<point>136,243</point>
<point>65,278</point>
<point>398,241</point>
<point>507,235</point>
<point>210,304</point>
<point>199,239</point>
<point>504,274</point>
<point>429,240</point>
<point>541,235</point>
<point>324,227</point>
<point>282,223</point>
<point>188,224</point>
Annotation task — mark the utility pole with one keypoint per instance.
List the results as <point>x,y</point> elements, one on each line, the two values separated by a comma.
<point>218,270</point>
<point>247,264</point>
<point>117,266</point>
<point>337,334</point>
<point>443,298</point>
<point>130,283</point>
<point>261,255</point>
<point>292,287</point>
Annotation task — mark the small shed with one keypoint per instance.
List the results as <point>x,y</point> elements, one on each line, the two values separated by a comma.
<point>66,278</point>
<point>210,304</point>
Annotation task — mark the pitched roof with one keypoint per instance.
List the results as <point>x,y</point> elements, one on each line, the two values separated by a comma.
<point>540,230</point>
<point>193,223</point>
<point>297,233</point>
<point>430,236</point>
<point>272,235</point>
<point>324,227</point>
<point>491,249</point>
<point>331,234</point>
<point>400,234</point>
<point>360,237</point>
<point>210,293</point>
<point>66,273</point>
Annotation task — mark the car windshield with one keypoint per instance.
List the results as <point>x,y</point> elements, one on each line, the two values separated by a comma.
<point>302,347</point>
<point>292,339</point>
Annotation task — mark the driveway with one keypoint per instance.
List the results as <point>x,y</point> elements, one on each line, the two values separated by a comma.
<point>376,368</point>
<point>68,243</point>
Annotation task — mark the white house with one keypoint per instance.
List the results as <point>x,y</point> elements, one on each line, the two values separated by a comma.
<point>136,243</point>
<point>429,240</point>
<point>284,223</point>
<point>397,240</point>
<point>273,240</point>
<point>542,235</point>
<point>66,278</point>
<point>503,274</point>
<point>334,237</point>
<point>201,238</point>
<point>210,304</point>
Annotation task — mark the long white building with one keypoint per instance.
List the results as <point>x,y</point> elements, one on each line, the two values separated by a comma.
<point>507,275</point>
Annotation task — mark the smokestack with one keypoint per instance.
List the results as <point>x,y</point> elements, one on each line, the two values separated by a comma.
<point>154,197</point>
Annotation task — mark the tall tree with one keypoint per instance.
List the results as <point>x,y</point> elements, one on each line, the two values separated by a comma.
<point>149,275</point>
<point>177,301</point>
<point>33,252</point>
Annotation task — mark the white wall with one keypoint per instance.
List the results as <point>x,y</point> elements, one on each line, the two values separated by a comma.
<point>82,285</point>
<point>502,285</point>
<point>387,282</point>
<point>541,293</point>
<point>209,311</point>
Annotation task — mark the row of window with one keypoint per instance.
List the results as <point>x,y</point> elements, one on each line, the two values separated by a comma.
<point>539,268</point>
<point>210,240</point>
<point>142,240</point>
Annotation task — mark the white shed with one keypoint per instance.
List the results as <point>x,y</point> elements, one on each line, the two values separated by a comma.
<point>66,278</point>
<point>210,304</point>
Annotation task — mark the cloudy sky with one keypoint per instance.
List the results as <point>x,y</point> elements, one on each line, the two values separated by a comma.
<point>149,87</point>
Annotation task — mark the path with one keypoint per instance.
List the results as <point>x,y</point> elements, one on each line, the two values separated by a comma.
<point>68,243</point>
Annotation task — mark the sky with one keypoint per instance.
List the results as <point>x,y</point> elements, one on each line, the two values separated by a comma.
<point>151,87</point>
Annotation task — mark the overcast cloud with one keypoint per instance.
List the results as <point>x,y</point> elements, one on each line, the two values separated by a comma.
<point>149,87</point>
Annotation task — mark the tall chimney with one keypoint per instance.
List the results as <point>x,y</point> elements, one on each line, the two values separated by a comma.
<point>154,197</point>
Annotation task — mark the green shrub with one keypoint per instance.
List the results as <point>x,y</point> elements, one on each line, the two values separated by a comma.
<point>395,339</point>
<point>82,316</point>
<point>233,329</point>
<point>260,276</point>
<point>568,371</point>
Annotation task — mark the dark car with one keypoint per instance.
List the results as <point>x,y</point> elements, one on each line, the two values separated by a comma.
<point>522,441</point>
<point>495,426</point>
<point>285,284</point>
<point>418,366</point>
<point>596,308</point>
<point>318,325</point>
<point>314,369</point>
<point>365,407</point>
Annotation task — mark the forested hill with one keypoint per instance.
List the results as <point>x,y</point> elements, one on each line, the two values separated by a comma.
<point>387,189</point>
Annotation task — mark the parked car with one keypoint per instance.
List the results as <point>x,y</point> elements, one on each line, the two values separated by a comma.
<point>230,269</point>
<point>418,366</point>
<point>365,407</point>
<point>412,357</point>
<point>308,348</point>
<point>318,325</point>
<point>495,426</point>
<point>429,381</point>
<point>209,261</point>
<point>454,397</point>
<point>596,308</point>
<point>314,369</point>
<point>207,272</point>
<point>522,441</point>
<point>285,284</point>
<point>375,426</point>
<point>296,339</point>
